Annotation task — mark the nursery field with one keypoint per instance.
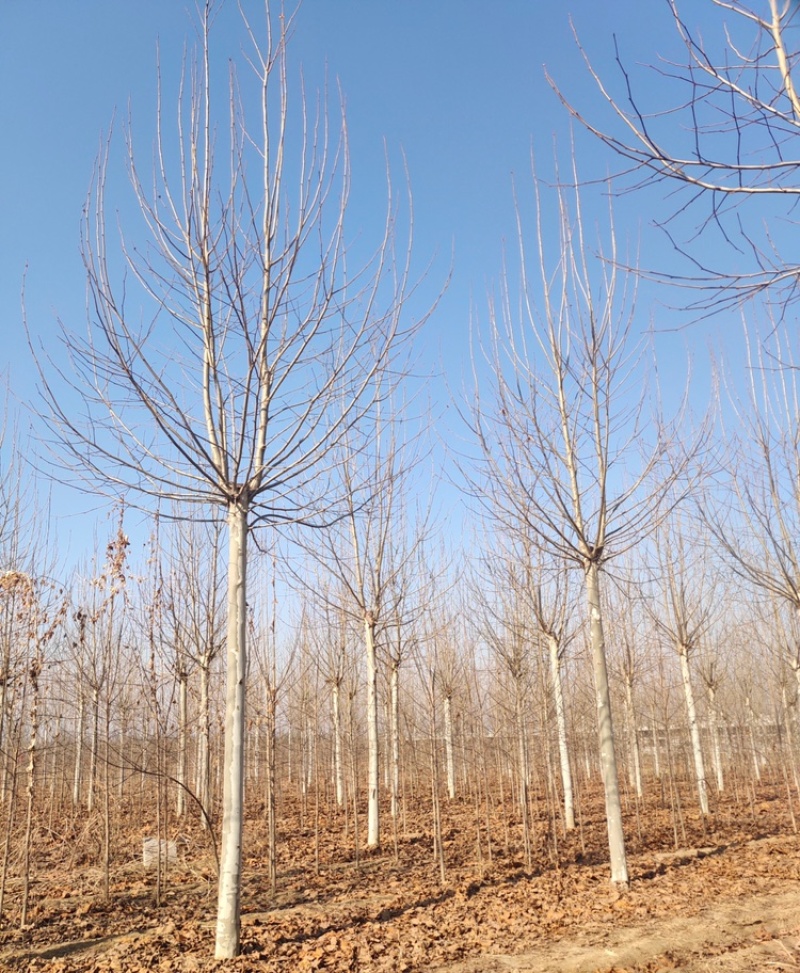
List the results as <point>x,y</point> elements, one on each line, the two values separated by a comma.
<point>723,894</point>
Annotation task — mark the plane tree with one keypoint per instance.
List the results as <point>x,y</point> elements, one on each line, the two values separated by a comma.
<point>684,607</point>
<point>233,336</point>
<point>370,555</point>
<point>566,453</point>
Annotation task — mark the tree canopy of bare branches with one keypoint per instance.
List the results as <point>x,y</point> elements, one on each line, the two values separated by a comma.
<point>562,446</point>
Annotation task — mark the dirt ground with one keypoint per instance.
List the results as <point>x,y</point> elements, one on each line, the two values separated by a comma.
<point>754,933</point>
<point>726,899</point>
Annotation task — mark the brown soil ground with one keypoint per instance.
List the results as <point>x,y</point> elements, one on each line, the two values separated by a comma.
<point>726,899</point>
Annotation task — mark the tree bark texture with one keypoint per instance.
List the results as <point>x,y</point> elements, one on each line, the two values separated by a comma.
<point>605,730</point>
<point>229,897</point>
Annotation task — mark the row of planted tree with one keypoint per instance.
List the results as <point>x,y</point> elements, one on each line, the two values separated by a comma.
<point>112,706</point>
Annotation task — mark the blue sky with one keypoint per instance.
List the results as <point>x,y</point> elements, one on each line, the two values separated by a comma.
<point>457,86</point>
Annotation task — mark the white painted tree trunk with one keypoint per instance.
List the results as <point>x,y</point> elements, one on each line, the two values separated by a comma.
<point>605,731</point>
<point>271,700</point>
<point>338,770</point>
<point>183,743</point>
<point>203,787</point>
<point>387,764</point>
<point>633,739</point>
<point>394,688</point>
<point>448,745</point>
<point>373,760</point>
<point>305,760</point>
<point>561,730</point>
<point>255,754</point>
<point>77,777</point>
<point>694,730</point>
<point>230,872</point>
<point>522,747</point>
<point>716,748</point>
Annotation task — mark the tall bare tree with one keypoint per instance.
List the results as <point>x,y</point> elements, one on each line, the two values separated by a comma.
<point>627,654</point>
<point>551,606</point>
<point>235,344</point>
<point>509,632</point>
<point>684,613</point>
<point>194,617</point>
<point>564,444</point>
<point>370,553</point>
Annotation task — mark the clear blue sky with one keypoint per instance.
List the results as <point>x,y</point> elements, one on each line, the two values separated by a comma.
<point>457,85</point>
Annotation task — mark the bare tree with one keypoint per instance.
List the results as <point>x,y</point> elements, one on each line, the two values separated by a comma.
<point>334,663</point>
<point>397,649</point>
<point>634,656</point>
<point>194,617</point>
<point>563,441</point>
<point>100,623</point>
<point>755,518</point>
<point>370,553</point>
<point>239,346</point>
<point>449,669</point>
<point>275,666</point>
<point>685,612</point>
<point>509,632</point>
<point>551,605</point>
<point>426,657</point>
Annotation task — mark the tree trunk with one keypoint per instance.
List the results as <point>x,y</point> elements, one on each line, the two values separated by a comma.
<point>561,729</point>
<point>183,734</point>
<point>373,761</point>
<point>438,844</point>
<point>448,743</point>
<point>605,731</point>
<point>204,744</point>
<point>338,770</point>
<point>395,704</point>
<point>107,803</point>
<point>5,677</point>
<point>95,739</point>
<point>716,747</point>
<point>694,730</point>
<point>633,737</point>
<point>523,764</point>
<point>230,873</point>
<point>36,666</point>
<point>77,775</point>
<point>272,784</point>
